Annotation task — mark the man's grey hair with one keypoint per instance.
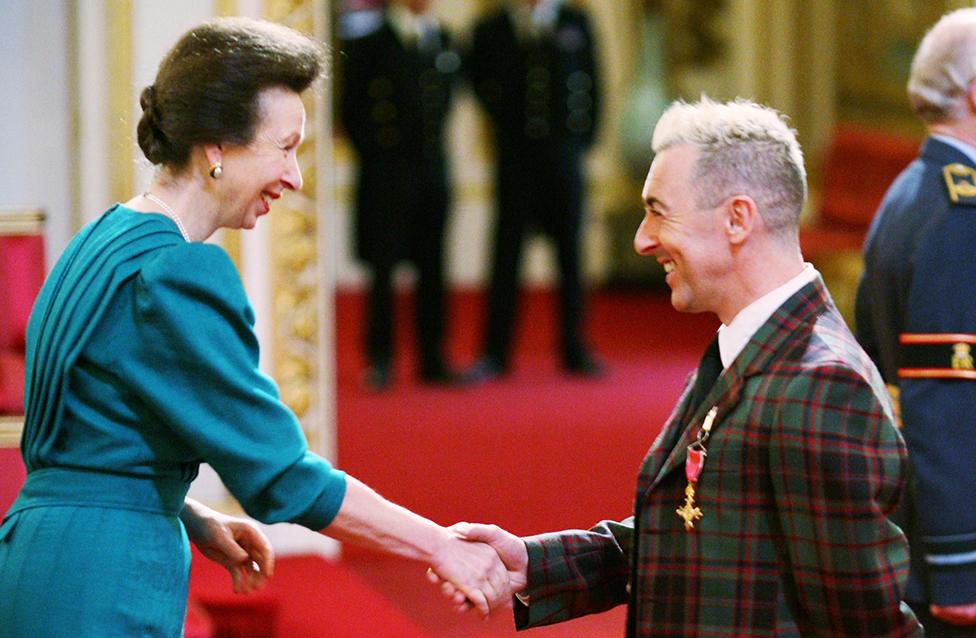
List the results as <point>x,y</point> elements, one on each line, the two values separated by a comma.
<point>944,65</point>
<point>744,148</point>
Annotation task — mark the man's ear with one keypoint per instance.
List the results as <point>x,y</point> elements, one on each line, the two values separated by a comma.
<point>971,96</point>
<point>741,217</point>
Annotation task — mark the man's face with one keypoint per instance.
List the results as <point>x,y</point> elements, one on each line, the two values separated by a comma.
<point>687,240</point>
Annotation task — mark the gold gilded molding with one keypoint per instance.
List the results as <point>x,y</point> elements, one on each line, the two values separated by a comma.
<point>225,7</point>
<point>118,21</point>
<point>10,429</point>
<point>295,280</point>
<point>230,238</point>
<point>19,220</point>
<point>72,80</point>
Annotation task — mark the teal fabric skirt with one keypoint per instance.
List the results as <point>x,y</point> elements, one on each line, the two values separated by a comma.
<point>90,554</point>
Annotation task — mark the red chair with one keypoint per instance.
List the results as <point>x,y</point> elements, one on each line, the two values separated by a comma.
<point>197,623</point>
<point>21,276</point>
<point>859,166</point>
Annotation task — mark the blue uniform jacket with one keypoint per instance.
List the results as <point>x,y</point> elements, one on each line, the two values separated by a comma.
<point>916,317</point>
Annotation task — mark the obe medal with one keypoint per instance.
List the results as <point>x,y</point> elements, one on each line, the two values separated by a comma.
<point>694,462</point>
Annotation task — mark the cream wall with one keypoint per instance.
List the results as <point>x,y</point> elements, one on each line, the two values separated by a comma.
<point>35,113</point>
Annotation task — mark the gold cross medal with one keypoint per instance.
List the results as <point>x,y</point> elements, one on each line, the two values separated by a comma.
<point>694,462</point>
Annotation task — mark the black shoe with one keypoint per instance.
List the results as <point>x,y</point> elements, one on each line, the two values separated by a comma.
<point>377,378</point>
<point>584,365</point>
<point>484,369</point>
<point>440,374</point>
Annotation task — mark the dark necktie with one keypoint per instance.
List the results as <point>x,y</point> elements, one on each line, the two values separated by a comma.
<point>708,371</point>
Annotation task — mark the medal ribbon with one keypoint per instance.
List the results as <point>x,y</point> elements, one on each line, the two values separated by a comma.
<point>694,463</point>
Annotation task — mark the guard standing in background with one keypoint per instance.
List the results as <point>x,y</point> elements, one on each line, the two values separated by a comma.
<point>395,98</point>
<point>916,317</point>
<point>532,68</point>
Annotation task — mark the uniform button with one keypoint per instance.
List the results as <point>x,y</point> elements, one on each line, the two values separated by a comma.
<point>579,101</point>
<point>579,122</point>
<point>538,74</point>
<point>380,88</point>
<point>384,112</point>
<point>447,62</point>
<point>579,81</point>
<point>536,127</point>
<point>387,136</point>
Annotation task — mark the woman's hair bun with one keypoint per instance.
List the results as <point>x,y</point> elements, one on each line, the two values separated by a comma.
<point>151,138</point>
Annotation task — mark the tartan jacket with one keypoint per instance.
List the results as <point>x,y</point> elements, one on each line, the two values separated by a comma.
<point>804,467</point>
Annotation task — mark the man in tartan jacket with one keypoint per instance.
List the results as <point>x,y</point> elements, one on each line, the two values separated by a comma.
<point>803,462</point>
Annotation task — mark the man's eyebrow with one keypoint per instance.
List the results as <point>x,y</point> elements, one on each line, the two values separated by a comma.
<point>654,202</point>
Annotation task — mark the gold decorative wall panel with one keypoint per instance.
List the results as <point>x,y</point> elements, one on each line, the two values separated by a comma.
<point>883,40</point>
<point>10,430</point>
<point>295,278</point>
<point>118,18</point>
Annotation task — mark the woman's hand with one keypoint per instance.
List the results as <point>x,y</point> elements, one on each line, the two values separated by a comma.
<point>236,543</point>
<point>475,574</point>
<point>509,548</point>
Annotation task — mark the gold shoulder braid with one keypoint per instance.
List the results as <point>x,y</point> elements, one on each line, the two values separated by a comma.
<point>961,182</point>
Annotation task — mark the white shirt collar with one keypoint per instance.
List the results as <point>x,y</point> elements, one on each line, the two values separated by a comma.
<point>532,21</point>
<point>957,143</point>
<point>409,26</point>
<point>734,337</point>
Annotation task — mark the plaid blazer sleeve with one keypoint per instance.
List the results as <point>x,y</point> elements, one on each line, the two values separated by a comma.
<point>576,572</point>
<point>837,466</point>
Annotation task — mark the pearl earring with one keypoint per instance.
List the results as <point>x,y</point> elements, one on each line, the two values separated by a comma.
<point>216,169</point>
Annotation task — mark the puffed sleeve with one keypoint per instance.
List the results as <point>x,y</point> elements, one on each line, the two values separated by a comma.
<point>197,365</point>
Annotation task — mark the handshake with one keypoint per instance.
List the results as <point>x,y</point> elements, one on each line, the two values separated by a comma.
<point>481,567</point>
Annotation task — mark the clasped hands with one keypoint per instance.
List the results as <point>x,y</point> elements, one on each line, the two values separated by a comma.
<point>482,568</point>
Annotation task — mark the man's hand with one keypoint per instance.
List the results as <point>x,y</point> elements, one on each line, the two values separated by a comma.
<point>236,543</point>
<point>474,574</point>
<point>955,614</point>
<point>510,549</point>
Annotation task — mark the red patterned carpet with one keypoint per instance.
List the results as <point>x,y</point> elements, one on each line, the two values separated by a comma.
<point>536,451</point>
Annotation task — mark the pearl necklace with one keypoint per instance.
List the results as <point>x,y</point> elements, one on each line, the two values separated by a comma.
<point>170,213</point>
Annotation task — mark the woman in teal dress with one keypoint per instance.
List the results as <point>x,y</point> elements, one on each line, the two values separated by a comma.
<point>142,364</point>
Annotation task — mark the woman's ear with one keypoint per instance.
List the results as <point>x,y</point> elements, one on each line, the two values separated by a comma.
<point>214,153</point>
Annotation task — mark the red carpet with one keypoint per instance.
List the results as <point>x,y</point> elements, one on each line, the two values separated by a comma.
<point>536,451</point>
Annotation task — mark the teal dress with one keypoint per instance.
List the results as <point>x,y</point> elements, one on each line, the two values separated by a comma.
<point>141,364</point>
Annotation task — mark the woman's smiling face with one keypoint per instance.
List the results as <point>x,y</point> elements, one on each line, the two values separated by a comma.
<point>255,174</point>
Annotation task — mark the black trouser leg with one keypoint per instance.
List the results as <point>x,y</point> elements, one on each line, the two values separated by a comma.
<point>430,308</point>
<point>570,291</point>
<point>504,287</point>
<point>379,318</point>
